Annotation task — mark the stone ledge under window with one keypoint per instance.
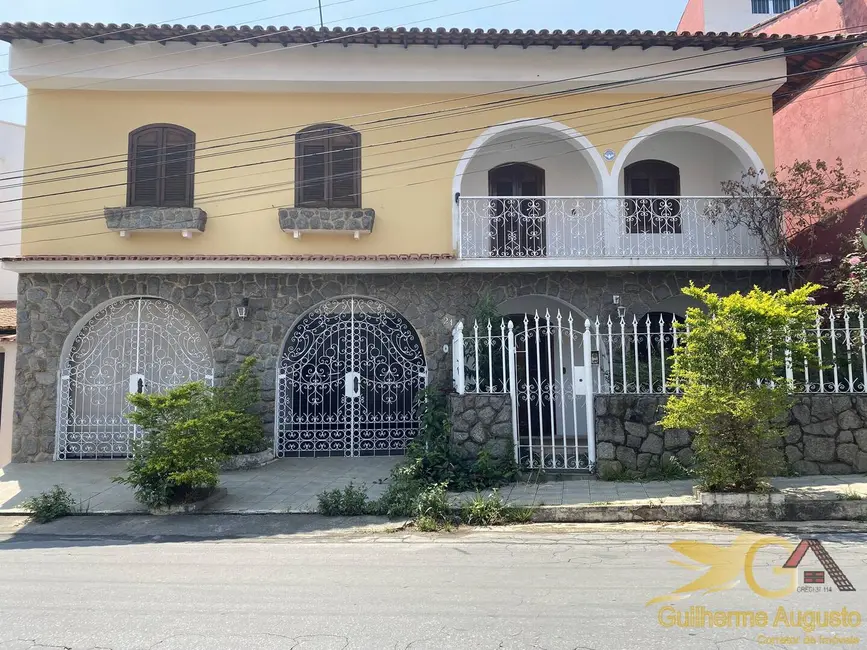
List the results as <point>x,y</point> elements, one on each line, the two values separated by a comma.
<point>183,220</point>
<point>347,220</point>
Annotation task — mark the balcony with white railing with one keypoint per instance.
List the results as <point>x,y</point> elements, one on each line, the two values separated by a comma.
<point>678,229</point>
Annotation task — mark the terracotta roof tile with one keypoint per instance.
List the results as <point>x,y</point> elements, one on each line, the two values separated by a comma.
<point>809,57</point>
<point>8,317</point>
<point>402,257</point>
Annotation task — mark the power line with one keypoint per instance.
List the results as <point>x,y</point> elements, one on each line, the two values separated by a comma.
<point>271,188</point>
<point>169,20</point>
<point>197,153</point>
<point>446,101</point>
<point>327,40</point>
<point>285,159</point>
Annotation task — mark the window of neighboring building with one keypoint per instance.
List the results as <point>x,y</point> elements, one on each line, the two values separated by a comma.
<point>661,213</point>
<point>161,166</point>
<point>328,167</point>
<point>775,6</point>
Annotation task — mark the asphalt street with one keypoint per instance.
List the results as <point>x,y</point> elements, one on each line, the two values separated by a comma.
<point>242,584</point>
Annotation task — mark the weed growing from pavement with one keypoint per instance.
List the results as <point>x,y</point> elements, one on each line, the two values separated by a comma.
<point>50,505</point>
<point>418,487</point>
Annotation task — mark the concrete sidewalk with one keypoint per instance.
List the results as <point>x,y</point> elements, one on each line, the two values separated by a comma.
<point>292,485</point>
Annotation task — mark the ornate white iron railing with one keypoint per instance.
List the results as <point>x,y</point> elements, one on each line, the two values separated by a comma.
<point>563,227</point>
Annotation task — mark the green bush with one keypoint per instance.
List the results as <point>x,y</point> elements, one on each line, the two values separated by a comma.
<point>177,460</point>
<point>349,502</point>
<point>734,386</point>
<point>432,509</point>
<point>48,506</point>
<point>238,397</point>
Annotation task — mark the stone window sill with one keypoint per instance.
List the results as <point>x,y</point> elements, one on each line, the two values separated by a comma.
<point>146,219</point>
<point>352,221</point>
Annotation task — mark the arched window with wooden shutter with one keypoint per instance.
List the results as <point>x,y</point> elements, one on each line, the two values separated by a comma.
<point>161,166</point>
<point>327,167</point>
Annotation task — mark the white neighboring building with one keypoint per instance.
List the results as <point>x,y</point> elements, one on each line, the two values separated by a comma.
<point>11,164</point>
<point>731,15</point>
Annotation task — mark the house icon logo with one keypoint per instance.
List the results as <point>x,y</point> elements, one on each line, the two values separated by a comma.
<point>834,572</point>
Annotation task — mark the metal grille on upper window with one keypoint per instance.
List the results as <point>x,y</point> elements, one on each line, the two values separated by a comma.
<point>761,6</point>
<point>161,166</point>
<point>328,167</point>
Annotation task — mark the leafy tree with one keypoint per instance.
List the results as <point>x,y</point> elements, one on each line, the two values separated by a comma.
<point>731,370</point>
<point>785,209</point>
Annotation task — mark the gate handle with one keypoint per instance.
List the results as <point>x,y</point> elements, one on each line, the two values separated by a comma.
<point>136,383</point>
<point>352,384</point>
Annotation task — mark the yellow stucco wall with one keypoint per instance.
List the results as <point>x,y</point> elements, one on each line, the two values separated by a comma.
<point>408,184</point>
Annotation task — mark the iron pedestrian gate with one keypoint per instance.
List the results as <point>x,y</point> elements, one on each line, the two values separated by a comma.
<point>348,381</point>
<point>544,365</point>
<point>130,346</point>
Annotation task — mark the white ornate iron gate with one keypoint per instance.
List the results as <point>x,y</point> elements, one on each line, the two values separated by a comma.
<point>347,382</point>
<point>130,346</point>
<point>545,364</point>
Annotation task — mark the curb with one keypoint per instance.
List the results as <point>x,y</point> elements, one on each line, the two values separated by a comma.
<point>801,510</point>
<point>796,510</point>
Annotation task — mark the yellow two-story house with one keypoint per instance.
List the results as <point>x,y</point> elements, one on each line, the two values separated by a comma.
<point>334,201</point>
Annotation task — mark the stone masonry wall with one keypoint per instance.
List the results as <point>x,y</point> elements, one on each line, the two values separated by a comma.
<point>825,434</point>
<point>50,306</point>
<point>481,422</point>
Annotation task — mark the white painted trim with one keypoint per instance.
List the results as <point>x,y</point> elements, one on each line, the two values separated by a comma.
<point>580,142</point>
<point>434,266</point>
<point>722,134</point>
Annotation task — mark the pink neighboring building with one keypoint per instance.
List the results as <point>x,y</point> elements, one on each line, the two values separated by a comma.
<point>827,121</point>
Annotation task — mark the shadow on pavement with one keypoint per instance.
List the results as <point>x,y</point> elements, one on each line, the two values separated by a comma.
<point>113,530</point>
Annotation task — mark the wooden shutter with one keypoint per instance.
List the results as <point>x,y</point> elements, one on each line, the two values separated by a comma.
<point>161,167</point>
<point>310,176</point>
<point>344,172</point>
<point>327,167</point>
<point>144,166</point>
<point>177,177</point>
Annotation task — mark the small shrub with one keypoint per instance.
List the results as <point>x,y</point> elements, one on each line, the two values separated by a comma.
<point>178,458</point>
<point>351,501</point>
<point>238,397</point>
<point>432,508</point>
<point>488,510</point>
<point>731,372</point>
<point>851,495</point>
<point>50,505</point>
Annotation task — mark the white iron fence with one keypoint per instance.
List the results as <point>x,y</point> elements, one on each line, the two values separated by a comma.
<point>551,367</point>
<point>566,227</point>
<point>635,355</point>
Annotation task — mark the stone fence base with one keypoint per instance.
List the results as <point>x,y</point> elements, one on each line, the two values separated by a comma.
<point>825,434</point>
<point>481,422</point>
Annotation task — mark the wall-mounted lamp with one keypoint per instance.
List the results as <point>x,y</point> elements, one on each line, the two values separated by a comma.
<point>594,357</point>
<point>243,308</point>
<point>621,311</point>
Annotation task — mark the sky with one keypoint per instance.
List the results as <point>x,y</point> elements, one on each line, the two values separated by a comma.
<point>520,14</point>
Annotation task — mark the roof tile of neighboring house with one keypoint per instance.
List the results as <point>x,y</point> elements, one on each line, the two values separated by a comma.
<point>8,316</point>
<point>808,56</point>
